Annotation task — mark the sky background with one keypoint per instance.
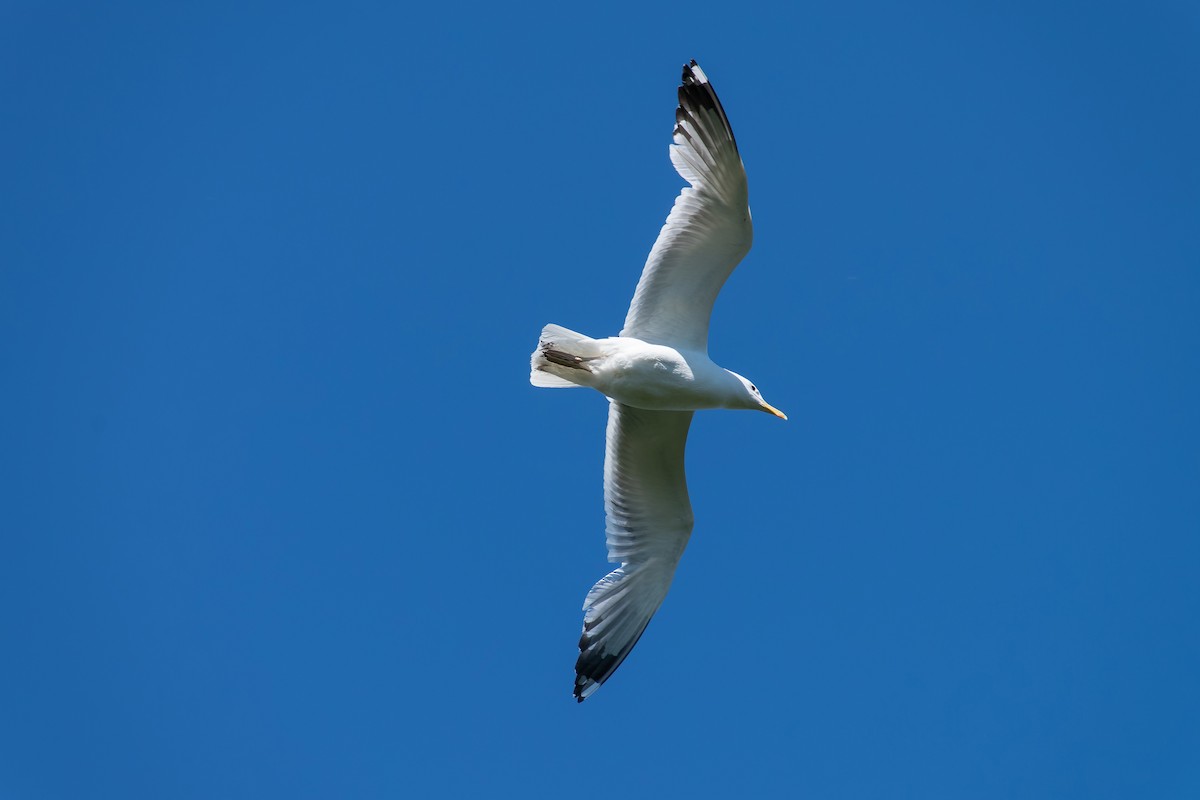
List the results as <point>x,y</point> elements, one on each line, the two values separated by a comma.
<point>282,516</point>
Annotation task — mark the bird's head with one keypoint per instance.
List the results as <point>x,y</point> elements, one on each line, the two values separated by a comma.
<point>749,397</point>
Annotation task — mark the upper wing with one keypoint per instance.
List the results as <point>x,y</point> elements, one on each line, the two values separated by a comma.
<point>649,520</point>
<point>707,232</point>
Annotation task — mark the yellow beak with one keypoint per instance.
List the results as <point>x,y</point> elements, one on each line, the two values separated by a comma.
<point>768,407</point>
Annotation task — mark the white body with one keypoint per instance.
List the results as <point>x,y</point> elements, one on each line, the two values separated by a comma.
<point>651,376</point>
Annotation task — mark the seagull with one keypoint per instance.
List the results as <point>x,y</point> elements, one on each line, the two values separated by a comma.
<point>656,373</point>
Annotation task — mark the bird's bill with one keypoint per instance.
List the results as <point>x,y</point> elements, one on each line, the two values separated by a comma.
<point>773,410</point>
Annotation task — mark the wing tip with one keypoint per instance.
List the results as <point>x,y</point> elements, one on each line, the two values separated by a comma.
<point>615,617</point>
<point>692,73</point>
<point>584,687</point>
<point>696,91</point>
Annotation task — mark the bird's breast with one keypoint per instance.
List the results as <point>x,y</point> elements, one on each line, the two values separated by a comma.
<point>660,378</point>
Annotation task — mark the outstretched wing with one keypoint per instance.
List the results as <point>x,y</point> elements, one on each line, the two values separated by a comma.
<point>707,232</point>
<point>648,522</point>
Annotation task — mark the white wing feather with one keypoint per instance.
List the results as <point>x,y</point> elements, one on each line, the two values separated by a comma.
<point>648,522</point>
<point>707,232</point>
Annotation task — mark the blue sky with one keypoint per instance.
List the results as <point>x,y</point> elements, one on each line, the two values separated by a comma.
<point>282,516</point>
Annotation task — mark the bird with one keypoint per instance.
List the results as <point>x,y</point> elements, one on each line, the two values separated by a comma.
<point>655,373</point>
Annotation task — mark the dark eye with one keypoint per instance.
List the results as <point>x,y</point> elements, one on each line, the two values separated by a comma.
<point>753,388</point>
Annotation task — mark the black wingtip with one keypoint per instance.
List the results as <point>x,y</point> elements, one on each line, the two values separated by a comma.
<point>596,665</point>
<point>696,91</point>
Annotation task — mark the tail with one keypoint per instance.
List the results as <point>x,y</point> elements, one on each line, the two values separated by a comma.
<point>561,358</point>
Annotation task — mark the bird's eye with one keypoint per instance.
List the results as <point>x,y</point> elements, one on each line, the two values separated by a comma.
<point>753,388</point>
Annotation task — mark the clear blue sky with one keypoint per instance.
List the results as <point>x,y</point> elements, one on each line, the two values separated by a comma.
<point>282,516</point>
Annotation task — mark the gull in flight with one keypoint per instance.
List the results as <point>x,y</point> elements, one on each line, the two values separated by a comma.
<point>655,374</point>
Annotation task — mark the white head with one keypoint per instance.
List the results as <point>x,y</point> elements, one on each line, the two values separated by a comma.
<point>750,397</point>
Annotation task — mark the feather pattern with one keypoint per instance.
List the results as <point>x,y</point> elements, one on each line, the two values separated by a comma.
<point>648,522</point>
<point>707,232</point>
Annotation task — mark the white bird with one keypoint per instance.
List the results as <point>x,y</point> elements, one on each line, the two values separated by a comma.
<point>655,374</point>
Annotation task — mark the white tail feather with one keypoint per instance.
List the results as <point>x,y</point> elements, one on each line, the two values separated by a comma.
<point>560,360</point>
<point>547,381</point>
